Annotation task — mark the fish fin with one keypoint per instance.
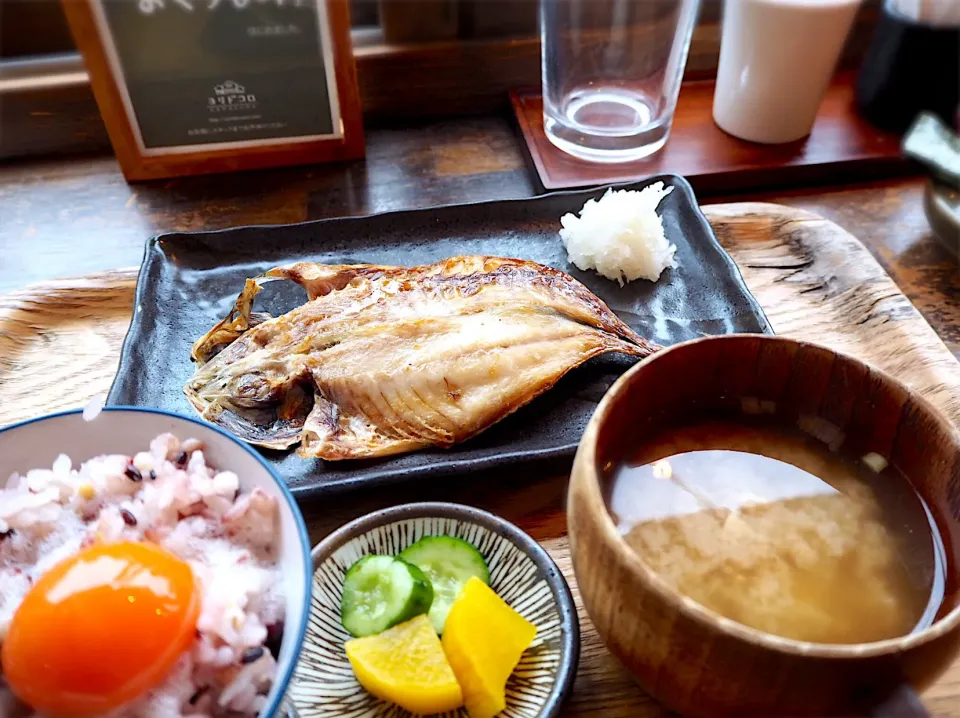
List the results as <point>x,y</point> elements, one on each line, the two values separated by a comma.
<point>321,279</point>
<point>604,345</point>
<point>580,303</point>
<point>332,435</point>
<point>573,299</point>
<point>562,292</point>
<point>229,329</point>
<point>348,422</point>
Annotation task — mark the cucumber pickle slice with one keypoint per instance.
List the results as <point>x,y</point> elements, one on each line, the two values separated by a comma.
<point>449,563</point>
<point>381,591</point>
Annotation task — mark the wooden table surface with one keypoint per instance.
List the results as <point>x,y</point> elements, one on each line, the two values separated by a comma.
<point>77,216</point>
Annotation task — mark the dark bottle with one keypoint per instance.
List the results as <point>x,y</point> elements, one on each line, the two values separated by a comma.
<point>911,66</point>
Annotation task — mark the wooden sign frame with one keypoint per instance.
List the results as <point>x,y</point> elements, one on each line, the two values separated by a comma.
<point>138,163</point>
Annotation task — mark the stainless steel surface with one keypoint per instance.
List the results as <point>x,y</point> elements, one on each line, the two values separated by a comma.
<point>942,206</point>
<point>46,72</point>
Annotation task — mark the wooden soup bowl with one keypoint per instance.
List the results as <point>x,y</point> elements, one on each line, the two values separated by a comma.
<point>685,655</point>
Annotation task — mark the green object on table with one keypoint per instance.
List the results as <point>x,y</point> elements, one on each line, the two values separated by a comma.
<point>933,144</point>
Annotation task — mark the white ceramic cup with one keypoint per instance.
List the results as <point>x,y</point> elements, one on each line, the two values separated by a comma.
<point>776,61</point>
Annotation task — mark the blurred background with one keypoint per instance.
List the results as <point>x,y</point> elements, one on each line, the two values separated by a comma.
<point>416,59</point>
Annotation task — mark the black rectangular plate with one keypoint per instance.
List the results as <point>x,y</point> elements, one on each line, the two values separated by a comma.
<point>189,282</point>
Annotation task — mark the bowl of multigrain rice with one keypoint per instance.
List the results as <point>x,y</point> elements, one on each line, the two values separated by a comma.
<point>151,566</point>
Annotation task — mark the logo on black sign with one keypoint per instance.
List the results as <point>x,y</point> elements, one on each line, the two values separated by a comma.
<point>231,95</point>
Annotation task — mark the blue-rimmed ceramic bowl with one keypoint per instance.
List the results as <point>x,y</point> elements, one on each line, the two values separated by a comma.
<point>126,430</point>
<point>521,572</point>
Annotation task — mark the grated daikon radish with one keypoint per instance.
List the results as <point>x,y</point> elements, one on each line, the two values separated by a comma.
<point>620,235</point>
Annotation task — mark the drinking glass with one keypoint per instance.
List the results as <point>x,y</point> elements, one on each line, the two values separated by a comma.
<point>611,74</point>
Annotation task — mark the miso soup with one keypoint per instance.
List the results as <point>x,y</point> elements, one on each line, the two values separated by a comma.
<point>773,529</point>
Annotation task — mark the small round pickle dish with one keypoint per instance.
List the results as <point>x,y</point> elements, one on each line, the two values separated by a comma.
<point>521,573</point>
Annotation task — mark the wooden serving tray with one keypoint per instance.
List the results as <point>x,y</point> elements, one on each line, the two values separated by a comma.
<point>60,342</point>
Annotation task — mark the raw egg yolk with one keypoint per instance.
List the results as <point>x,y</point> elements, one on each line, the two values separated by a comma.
<point>101,629</point>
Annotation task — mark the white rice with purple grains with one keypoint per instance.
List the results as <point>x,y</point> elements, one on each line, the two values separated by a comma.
<point>170,496</point>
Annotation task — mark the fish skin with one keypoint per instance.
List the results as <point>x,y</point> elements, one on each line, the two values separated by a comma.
<point>384,360</point>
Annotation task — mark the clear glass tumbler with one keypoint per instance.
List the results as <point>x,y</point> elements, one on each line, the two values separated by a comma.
<point>611,74</point>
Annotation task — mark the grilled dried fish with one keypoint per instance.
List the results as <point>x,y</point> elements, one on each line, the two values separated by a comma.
<point>385,360</point>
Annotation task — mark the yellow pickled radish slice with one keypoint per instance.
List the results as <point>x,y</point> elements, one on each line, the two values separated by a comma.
<point>406,665</point>
<point>484,639</point>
